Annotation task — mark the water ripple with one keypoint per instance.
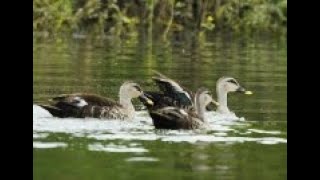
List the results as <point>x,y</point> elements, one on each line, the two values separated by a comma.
<point>222,129</point>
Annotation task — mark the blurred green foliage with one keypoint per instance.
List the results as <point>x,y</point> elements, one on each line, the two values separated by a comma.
<point>163,17</point>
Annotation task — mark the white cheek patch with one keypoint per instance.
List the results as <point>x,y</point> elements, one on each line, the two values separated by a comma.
<point>235,87</point>
<point>230,87</point>
<point>133,92</point>
<point>225,87</point>
<point>81,102</point>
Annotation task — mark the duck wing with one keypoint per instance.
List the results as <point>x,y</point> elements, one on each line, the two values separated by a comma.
<point>172,93</point>
<point>90,99</point>
<point>80,105</point>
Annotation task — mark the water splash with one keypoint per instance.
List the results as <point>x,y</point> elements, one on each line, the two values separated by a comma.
<point>223,129</point>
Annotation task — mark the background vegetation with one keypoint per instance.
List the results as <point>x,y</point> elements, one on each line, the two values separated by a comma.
<point>158,18</point>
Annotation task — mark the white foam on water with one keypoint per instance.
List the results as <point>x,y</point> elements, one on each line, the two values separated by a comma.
<point>210,138</point>
<point>260,131</point>
<point>220,134</point>
<point>116,148</point>
<point>46,145</point>
<point>272,140</point>
<point>143,159</point>
<point>141,128</point>
<point>40,135</point>
<point>214,116</point>
<point>125,136</point>
<point>39,112</point>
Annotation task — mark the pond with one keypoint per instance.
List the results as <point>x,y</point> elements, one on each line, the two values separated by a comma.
<point>253,148</point>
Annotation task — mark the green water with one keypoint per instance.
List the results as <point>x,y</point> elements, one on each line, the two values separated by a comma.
<point>94,149</point>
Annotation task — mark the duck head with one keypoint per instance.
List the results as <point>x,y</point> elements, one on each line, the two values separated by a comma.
<point>224,86</point>
<point>229,84</point>
<point>133,90</point>
<point>203,98</point>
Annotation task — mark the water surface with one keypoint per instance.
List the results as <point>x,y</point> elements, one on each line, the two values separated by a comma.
<point>252,148</point>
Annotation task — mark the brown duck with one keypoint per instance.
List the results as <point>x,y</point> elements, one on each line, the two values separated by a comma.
<point>80,105</point>
<point>173,117</point>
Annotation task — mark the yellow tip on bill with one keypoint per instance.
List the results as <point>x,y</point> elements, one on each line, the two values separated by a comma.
<point>248,92</point>
<point>150,102</point>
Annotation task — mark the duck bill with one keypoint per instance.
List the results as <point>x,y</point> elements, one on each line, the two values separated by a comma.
<point>241,90</point>
<point>215,103</point>
<point>145,100</point>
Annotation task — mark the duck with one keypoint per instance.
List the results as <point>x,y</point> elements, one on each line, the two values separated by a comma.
<point>81,105</point>
<point>175,117</point>
<point>224,86</point>
<point>171,94</point>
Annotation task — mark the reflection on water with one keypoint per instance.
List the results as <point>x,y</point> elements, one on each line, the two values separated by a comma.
<point>251,147</point>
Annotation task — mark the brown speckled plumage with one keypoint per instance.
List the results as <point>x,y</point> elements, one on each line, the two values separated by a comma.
<point>80,105</point>
<point>172,117</point>
<point>98,107</point>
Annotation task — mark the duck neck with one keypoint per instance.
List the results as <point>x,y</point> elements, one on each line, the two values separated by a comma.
<point>200,108</point>
<point>222,100</point>
<point>125,101</point>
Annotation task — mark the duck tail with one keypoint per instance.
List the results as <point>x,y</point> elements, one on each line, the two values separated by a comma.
<point>53,110</point>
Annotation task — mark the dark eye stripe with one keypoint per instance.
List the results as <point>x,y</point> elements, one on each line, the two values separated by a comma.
<point>138,88</point>
<point>232,81</point>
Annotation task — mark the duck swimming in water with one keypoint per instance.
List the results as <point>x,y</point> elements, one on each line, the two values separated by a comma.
<point>174,117</point>
<point>80,105</point>
<point>171,93</point>
<point>224,86</point>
